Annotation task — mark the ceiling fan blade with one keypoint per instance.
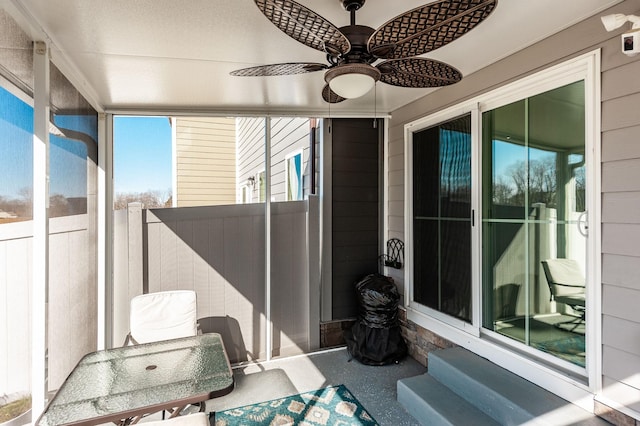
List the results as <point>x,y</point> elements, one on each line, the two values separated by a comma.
<point>304,25</point>
<point>290,68</point>
<point>418,72</point>
<point>330,96</point>
<point>428,27</point>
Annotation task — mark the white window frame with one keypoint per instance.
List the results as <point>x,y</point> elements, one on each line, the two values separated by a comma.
<point>410,129</point>
<point>472,336</point>
<point>259,184</point>
<point>246,189</point>
<point>287,176</point>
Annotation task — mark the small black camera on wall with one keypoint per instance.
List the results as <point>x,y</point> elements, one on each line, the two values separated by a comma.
<point>631,43</point>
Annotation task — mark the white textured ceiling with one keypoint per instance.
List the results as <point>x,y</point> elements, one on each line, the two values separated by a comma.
<point>168,55</point>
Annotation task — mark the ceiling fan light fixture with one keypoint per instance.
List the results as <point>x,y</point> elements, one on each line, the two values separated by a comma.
<point>352,80</point>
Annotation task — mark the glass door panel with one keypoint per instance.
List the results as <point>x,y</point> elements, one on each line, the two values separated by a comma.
<point>442,217</point>
<point>534,174</point>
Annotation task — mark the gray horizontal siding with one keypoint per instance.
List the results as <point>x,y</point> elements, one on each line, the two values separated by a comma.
<point>621,144</point>
<point>621,207</point>
<point>621,221</point>
<point>622,239</point>
<point>621,271</point>
<point>288,135</point>
<point>621,334</point>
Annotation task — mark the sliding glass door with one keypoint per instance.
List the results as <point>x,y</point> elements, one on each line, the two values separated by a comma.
<point>442,217</point>
<point>533,235</point>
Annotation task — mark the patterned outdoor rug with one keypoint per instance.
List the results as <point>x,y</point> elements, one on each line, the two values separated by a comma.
<point>329,406</point>
<point>568,348</point>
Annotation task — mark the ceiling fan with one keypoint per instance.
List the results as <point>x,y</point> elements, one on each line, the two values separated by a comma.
<point>352,50</point>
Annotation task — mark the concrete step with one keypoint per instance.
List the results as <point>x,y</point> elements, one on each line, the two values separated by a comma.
<point>433,404</point>
<point>502,395</point>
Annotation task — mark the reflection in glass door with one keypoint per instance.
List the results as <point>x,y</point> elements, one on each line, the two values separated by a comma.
<point>533,244</point>
<point>442,217</point>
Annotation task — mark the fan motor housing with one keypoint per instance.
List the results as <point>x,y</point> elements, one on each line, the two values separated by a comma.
<point>350,5</point>
<point>358,36</point>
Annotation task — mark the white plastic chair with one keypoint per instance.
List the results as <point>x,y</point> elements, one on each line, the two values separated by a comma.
<point>161,316</point>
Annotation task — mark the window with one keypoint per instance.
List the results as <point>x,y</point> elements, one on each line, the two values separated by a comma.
<point>73,150</point>
<point>293,176</point>
<point>16,154</point>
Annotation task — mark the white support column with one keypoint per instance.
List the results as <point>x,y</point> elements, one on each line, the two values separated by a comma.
<point>105,230</point>
<point>40,267</point>
<point>313,271</point>
<point>267,237</point>
<point>174,162</point>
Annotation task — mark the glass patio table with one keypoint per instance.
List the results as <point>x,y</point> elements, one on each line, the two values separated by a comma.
<point>121,385</point>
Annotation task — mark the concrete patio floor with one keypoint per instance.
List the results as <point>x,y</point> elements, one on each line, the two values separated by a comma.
<point>375,387</point>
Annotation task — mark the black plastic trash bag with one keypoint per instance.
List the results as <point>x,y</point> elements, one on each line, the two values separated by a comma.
<point>375,338</point>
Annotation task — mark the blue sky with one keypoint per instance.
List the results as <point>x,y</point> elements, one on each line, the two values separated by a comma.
<point>67,158</point>
<point>142,154</point>
<point>16,145</point>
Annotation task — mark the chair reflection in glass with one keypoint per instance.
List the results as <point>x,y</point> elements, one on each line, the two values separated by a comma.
<point>567,285</point>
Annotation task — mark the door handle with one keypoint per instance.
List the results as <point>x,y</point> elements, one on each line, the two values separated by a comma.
<point>583,224</point>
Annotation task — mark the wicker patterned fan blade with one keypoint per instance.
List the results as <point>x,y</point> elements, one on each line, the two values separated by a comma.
<point>330,96</point>
<point>418,72</point>
<point>290,68</point>
<point>428,27</point>
<point>305,26</point>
